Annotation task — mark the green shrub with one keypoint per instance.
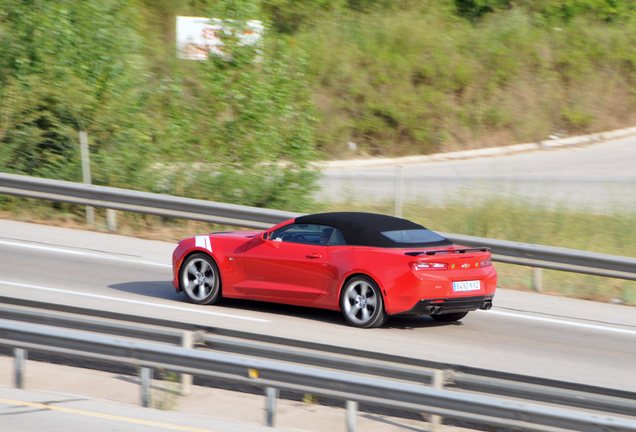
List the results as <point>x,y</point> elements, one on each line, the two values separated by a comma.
<point>68,66</point>
<point>475,9</point>
<point>238,130</point>
<point>287,16</point>
<point>246,123</point>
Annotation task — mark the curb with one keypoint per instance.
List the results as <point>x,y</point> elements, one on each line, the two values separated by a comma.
<point>484,152</point>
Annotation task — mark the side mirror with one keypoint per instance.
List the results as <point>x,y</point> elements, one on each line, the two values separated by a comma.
<point>263,236</point>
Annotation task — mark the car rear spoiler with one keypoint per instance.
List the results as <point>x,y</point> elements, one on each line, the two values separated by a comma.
<point>449,251</point>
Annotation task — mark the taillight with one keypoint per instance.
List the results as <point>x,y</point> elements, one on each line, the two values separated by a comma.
<point>425,265</point>
<point>485,263</point>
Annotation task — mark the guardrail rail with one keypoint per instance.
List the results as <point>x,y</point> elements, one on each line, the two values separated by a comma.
<point>328,359</point>
<point>536,256</point>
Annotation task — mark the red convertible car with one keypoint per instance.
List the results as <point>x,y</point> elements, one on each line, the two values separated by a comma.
<point>368,266</point>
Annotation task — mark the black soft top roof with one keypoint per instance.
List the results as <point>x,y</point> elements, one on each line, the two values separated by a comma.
<point>365,229</point>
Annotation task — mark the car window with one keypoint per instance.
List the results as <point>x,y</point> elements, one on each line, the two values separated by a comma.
<point>413,236</point>
<point>308,234</point>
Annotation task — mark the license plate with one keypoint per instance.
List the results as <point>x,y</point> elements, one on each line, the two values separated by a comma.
<point>466,286</point>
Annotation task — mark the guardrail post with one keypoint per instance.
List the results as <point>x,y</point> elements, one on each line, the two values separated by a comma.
<point>111,220</point>
<point>20,355</point>
<point>145,375</point>
<point>272,395</point>
<point>86,174</point>
<point>537,279</point>
<point>187,341</point>
<point>438,383</point>
<point>352,416</point>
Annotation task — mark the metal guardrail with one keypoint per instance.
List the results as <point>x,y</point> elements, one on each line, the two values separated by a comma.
<point>553,258</point>
<point>326,356</point>
<point>530,255</point>
<point>273,374</point>
<point>141,202</point>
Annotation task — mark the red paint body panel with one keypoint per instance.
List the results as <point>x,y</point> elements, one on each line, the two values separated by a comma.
<point>313,275</point>
<point>285,270</point>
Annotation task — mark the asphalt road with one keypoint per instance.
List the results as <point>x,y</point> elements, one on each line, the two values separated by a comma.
<point>599,177</point>
<point>527,333</point>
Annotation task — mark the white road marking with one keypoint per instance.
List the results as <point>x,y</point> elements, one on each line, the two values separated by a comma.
<point>101,297</point>
<point>561,322</point>
<point>81,253</point>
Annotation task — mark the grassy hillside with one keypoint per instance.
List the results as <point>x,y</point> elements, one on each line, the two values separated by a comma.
<point>421,79</point>
<point>395,77</point>
<point>401,77</point>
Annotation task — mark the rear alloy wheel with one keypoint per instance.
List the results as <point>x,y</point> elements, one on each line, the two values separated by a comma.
<point>200,279</point>
<point>361,303</point>
<point>449,317</point>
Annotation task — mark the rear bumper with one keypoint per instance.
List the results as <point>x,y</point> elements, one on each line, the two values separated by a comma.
<point>448,305</point>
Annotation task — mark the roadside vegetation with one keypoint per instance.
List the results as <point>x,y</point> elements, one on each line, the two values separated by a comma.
<point>393,77</point>
<point>435,76</point>
<point>235,129</point>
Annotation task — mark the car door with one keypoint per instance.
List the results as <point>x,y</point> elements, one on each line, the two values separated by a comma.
<point>291,263</point>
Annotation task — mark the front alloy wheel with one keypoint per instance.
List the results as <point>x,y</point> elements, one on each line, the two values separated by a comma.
<point>200,279</point>
<point>361,303</point>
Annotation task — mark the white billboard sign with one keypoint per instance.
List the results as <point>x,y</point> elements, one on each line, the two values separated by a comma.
<point>197,37</point>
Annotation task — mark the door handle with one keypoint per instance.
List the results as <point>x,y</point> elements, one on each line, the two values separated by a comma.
<point>314,255</point>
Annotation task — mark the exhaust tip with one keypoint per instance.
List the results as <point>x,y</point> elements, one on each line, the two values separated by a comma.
<point>487,305</point>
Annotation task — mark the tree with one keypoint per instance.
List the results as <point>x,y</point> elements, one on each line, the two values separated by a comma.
<point>67,66</point>
<point>259,114</point>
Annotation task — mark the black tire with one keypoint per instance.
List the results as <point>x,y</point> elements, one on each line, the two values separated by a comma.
<point>200,280</point>
<point>362,304</point>
<point>449,317</point>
